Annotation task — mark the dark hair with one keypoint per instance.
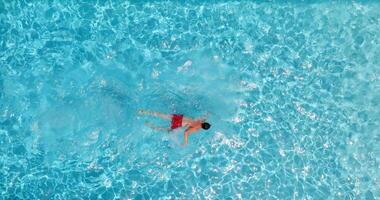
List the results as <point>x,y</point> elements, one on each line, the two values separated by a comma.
<point>206,125</point>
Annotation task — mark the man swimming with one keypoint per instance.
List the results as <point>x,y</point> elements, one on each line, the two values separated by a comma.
<point>177,121</point>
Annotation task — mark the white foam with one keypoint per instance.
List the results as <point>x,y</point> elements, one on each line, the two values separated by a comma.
<point>94,135</point>
<point>269,119</point>
<point>155,73</point>
<point>185,66</point>
<point>302,110</point>
<point>249,86</point>
<point>233,142</point>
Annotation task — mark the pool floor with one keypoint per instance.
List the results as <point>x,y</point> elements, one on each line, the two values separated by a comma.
<point>292,89</point>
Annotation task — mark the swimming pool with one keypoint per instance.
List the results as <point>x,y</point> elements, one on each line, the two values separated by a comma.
<point>293,90</point>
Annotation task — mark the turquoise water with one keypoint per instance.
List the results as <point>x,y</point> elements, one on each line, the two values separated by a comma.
<point>293,92</point>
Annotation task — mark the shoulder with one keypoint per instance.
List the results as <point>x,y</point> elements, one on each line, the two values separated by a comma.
<point>194,126</point>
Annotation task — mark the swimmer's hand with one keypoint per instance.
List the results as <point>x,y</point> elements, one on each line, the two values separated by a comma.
<point>186,138</point>
<point>205,116</point>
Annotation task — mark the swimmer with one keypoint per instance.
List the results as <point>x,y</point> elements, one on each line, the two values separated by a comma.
<point>177,121</point>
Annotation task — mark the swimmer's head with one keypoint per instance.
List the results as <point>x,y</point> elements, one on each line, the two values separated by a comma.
<point>206,125</point>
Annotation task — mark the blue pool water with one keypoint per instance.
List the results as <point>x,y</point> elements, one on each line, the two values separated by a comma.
<point>293,92</point>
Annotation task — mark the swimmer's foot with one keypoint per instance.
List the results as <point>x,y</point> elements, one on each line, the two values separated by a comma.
<point>157,128</point>
<point>142,112</point>
<point>148,124</point>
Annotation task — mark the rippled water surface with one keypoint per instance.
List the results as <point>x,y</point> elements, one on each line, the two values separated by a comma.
<point>293,92</point>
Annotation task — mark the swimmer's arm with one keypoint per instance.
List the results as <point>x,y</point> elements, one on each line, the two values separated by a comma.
<point>186,136</point>
<point>205,116</point>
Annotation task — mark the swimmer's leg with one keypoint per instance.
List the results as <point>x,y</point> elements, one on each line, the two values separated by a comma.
<point>155,114</point>
<point>158,128</point>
